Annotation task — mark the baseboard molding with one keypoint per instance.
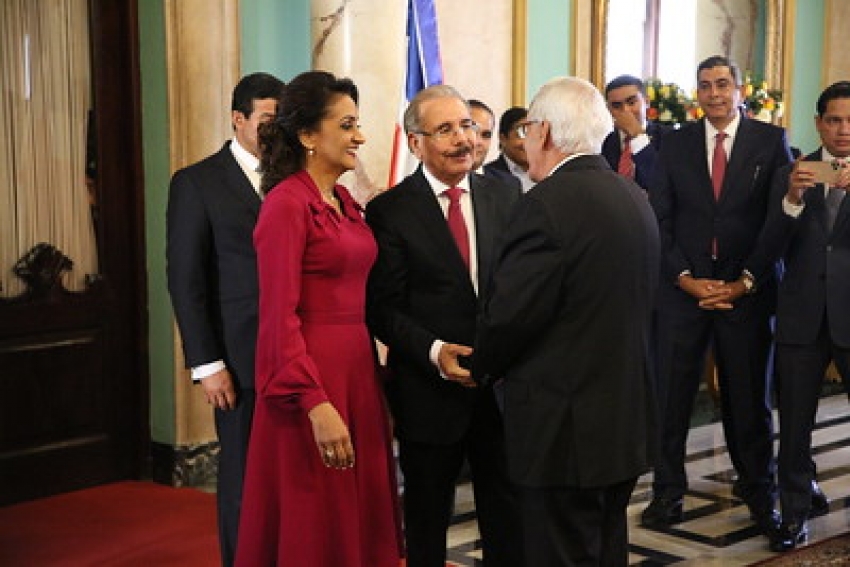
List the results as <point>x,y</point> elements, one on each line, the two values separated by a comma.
<point>187,465</point>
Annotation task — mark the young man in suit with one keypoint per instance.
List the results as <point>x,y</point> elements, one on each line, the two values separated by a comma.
<point>632,147</point>
<point>809,222</point>
<point>511,166</point>
<point>212,278</point>
<point>486,121</point>
<point>567,327</point>
<point>710,194</point>
<point>436,234</point>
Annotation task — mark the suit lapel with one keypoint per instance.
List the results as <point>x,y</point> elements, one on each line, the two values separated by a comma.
<point>484,206</point>
<point>696,147</point>
<point>428,212</point>
<point>236,178</point>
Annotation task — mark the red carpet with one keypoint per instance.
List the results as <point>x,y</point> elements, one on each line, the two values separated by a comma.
<point>138,524</point>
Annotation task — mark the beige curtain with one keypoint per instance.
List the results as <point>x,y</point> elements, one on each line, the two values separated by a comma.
<point>46,95</point>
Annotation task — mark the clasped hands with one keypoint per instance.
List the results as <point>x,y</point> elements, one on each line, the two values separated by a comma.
<point>712,294</point>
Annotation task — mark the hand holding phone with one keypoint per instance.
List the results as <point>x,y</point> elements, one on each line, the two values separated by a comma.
<point>823,171</point>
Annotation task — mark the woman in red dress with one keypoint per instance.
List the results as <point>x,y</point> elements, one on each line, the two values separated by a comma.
<point>320,486</point>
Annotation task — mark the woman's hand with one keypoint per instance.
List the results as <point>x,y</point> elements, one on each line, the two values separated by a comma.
<point>332,438</point>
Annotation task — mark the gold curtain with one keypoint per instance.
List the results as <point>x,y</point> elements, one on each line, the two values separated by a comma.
<point>46,96</point>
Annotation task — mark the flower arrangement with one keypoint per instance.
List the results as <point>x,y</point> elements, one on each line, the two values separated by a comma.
<point>761,102</point>
<point>668,103</point>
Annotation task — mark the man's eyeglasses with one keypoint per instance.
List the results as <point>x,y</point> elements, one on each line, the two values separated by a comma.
<point>522,129</point>
<point>446,131</point>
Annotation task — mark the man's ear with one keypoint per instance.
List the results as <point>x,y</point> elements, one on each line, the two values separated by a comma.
<point>413,144</point>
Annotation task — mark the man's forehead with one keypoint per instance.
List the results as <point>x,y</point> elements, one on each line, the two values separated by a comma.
<point>444,109</point>
<point>623,93</point>
<point>715,74</point>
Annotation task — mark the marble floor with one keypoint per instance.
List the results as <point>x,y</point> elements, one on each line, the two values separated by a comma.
<point>716,530</point>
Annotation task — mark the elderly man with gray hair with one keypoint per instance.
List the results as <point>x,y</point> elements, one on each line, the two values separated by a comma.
<point>566,328</point>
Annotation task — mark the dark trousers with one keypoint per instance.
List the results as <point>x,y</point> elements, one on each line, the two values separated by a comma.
<point>741,347</point>
<point>430,473</point>
<point>576,527</point>
<point>801,370</point>
<point>233,428</point>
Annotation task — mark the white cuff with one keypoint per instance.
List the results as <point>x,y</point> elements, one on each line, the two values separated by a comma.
<point>434,355</point>
<point>208,369</point>
<point>792,210</point>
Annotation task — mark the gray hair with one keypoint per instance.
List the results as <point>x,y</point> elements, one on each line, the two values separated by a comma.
<point>576,112</point>
<point>412,114</point>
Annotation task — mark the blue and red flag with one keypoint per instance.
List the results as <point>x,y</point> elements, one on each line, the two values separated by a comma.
<point>423,70</point>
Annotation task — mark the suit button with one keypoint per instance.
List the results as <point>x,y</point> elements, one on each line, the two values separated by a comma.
<point>829,248</point>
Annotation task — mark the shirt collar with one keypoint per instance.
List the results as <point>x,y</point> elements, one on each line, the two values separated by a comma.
<point>730,130</point>
<point>565,160</point>
<point>249,160</point>
<point>438,187</point>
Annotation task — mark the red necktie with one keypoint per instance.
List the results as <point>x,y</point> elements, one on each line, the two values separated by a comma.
<point>626,165</point>
<point>718,171</point>
<point>718,165</point>
<point>457,224</point>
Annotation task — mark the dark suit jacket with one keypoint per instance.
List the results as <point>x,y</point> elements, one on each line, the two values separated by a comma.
<point>498,169</point>
<point>419,290</point>
<point>816,265</point>
<point>689,217</point>
<point>211,263</point>
<point>567,326</point>
<point>644,160</point>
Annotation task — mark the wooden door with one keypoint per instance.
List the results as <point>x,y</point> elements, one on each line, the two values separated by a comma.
<point>73,370</point>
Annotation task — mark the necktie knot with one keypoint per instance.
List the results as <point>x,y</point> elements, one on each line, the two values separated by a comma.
<point>720,137</point>
<point>453,194</point>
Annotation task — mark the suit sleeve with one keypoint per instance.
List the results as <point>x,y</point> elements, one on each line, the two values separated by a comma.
<point>387,304</point>
<point>525,290</point>
<point>285,370</point>
<point>775,233</point>
<point>189,248</point>
<point>662,197</point>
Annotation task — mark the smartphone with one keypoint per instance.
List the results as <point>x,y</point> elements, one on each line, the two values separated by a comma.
<point>825,171</point>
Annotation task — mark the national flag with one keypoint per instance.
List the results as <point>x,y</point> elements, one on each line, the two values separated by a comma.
<point>424,69</point>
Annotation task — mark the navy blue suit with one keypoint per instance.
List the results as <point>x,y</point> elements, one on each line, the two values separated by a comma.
<point>644,160</point>
<point>689,220</point>
<point>498,169</point>
<point>212,279</point>
<point>812,327</point>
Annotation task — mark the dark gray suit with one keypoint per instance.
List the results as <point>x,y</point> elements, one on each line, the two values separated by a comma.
<point>567,326</point>
<point>644,160</point>
<point>420,290</point>
<point>812,327</point>
<point>212,279</point>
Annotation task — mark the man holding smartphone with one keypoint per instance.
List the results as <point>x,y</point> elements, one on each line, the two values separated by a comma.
<point>809,220</point>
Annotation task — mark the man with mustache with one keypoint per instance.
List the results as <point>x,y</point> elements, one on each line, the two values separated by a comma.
<point>436,234</point>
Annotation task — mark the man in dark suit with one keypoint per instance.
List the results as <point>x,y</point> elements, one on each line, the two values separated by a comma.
<point>809,223</point>
<point>511,167</point>
<point>633,145</point>
<point>436,234</point>
<point>212,278</point>
<point>567,327</point>
<point>710,194</point>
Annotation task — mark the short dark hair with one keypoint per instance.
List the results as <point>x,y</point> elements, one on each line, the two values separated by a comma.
<point>253,87</point>
<point>841,89</point>
<point>475,103</point>
<point>624,81</point>
<point>510,117</point>
<point>720,61</point>
<point>302,105</point>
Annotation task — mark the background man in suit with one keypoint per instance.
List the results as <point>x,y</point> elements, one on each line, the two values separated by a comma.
<point>212,279</point>
<point>633,145</point>
<point>809,221</point>
<point>436,233</point>
<point>486,121</point>
<point>717,287</point>
<point>511,166</point>
<point>567,326</point>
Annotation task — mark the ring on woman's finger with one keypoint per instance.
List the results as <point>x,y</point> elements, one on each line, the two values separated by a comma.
<point>329,453</point>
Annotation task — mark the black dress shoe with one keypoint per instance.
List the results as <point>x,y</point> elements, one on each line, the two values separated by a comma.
<point>788,536</point>
<point>766,519</point>
<point>820,503</point>
<point>662,512</point>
